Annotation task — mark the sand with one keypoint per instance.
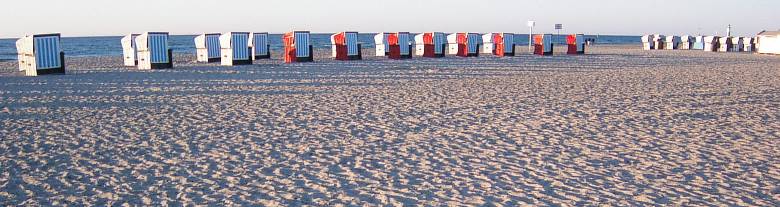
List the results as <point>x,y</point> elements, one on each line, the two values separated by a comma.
<point>620,126</point>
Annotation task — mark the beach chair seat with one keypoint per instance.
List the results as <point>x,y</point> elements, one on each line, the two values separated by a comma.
<point>298,47</point>
<point>345,46</point>
<point>41,54</point>
<point>207,48</point>
<point>154,51</point>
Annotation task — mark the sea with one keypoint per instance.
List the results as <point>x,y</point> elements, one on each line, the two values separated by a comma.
<point>110,45</point>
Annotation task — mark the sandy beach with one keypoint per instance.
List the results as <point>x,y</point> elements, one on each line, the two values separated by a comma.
<point>619,126</point>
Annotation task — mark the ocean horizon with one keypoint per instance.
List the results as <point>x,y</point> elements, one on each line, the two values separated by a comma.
<point>184,44</point>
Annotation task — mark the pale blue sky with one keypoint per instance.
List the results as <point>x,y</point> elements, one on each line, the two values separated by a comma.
<point>630,17</point>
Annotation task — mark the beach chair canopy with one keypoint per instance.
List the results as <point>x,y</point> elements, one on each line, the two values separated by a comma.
<point>488,38</point>
<point>128,42</point>
<point>711,39</point>
<point>647,38</point>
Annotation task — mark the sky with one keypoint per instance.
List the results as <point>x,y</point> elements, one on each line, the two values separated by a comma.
<point>616,17</point>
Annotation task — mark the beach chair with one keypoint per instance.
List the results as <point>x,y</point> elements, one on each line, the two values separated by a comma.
<point>576,44</point>
<point>647,42</point>
<point>464,44</point>
<point>725,44</point>
<point>671,42</point>
<point>261,48</point>
<point>543,44</point>
<point>747,44</point>
<point>154,51</point>
<point>503,44</point>
<point>345,46</point>
<point>430,44</point>
<point>658,41</point>
<point>711,43</point>
<point>129,50</point>
<point>686,42</point>
<point>396,45</point>
<point>298,47</point>
<point>41,54</point>
<point>380,41</point>
<point>698,43</point>
<point>737,44</point>
<point>207,48</point>
<point>487,44</point>
<point>235,49</point>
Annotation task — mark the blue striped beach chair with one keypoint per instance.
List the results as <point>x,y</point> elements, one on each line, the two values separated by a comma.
<point>129,50</point>
<point>474,43</point>
<point>235,48</point>
<point>41,54</point>
<point>207,48</point>
<point>154,51</point>
<point>405,44</point>
<point>261,48</point>
<point>509,44</point>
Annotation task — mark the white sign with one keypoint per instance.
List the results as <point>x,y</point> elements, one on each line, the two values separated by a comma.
<point>531,23</point>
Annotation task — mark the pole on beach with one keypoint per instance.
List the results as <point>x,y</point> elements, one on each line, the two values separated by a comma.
<point>558,27</point>
<point>531,25</point>
<point>728,31</point>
